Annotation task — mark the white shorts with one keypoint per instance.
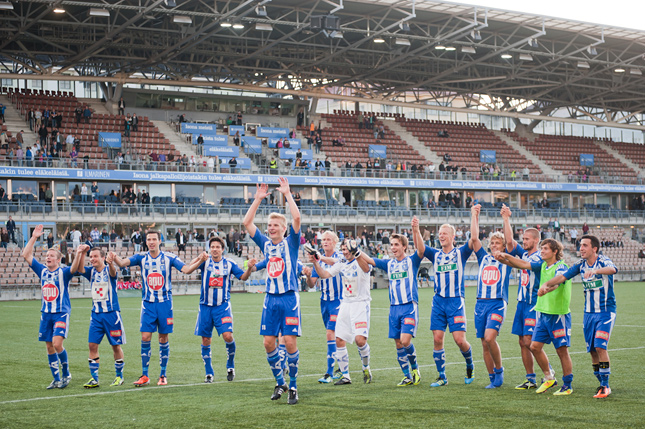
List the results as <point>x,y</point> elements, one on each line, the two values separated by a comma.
<point>353,319</point>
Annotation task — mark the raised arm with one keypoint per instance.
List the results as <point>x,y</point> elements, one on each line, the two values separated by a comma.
<point>322,273</point>
<point>249,270</point>
<point>195,263</point>
<point>120,262</point>
<point>417,237</point>
<point>109,260</point>
<point>293,207</point>
<point>512,261</point>
<point>508,230</point>
<point>261,191</point>
<point>28,251</point>
<point>474,243</point>
<point>78,265</point>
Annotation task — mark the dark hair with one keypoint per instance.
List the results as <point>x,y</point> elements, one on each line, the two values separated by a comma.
<point>555,246</point>
<point>154,231</point>
<point>402,239</point>
<point>217,239</point>
<point>594,241</point>
<point>98,249</point>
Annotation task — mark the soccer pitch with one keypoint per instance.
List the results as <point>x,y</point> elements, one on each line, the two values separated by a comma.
<point>188,402</point>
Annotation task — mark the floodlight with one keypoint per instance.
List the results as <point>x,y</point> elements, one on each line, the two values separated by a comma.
<point>402,41</point>
<point>99,12</point>
<point>6,5</point>
<point>180,19</point>
<point>263,27</point>
<point>468,50</point>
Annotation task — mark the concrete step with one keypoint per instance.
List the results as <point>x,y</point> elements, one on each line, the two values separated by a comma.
<point>175,138</point>
<point>96,105</point>
<point>411,140</point>
<point>620,157</point>
<point>15,122</point>
<point>546,169</point>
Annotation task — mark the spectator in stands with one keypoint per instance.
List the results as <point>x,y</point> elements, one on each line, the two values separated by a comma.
<point>525,173</point>
<point>339,141</point>
<point>639,177</point>
<point>87,114</point>
<point>232,164</point>
<point>432,204</point>
<point>180,238</point>
<point>20,156</point>
<point>127,124</point>
<point>357,168</point>
<point>312,129</point>
<point>121,106</point>
<point>4,238</point>
<point>443,133</point>
<point>239,117</point>
<point>38,115</point>
<point>319,142</point>
<point>301,117</point>
<point>4,143</point>
<point>59,118</point>
<point>236,138</point>
<point>74,158</point>
<point>31,118</point>
<point>78,113</point>
<point>154,159</point>
<point>585,229</point>
<point>20,138</point>
<point>11,229</point>
<point>42,134</point>
<point>29,157</point>
<point>286,144</point>
<point>96,235</point>
<point>46,116</point>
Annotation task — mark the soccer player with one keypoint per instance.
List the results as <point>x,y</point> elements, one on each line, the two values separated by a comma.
<point>529,283</point>
<point>105,317</point>
<point>492,298</point>
<point>330,297</point>
<point>404,297</point>
<point>214,304</point>
<point>55,309</point>
<point>156,306</point>
<point>281,310</point>
<point>353,322</point>
<point>554,316</point>
<point>597,273</point>
<point>448,306</point>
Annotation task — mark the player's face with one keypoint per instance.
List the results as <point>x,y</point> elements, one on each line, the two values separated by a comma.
<point>51,259</point>
<point>327,243</point>
<point>152,241</point>
<point>397,248</point>
<point>216,250</point>
<point>446,236</point>
<point>497,245</point>
<point>546,252</point>
<point>586,251</point>
<point>96,259</point>
<point>348,256</point>
<point>276,230</point>
<point>529,241</point>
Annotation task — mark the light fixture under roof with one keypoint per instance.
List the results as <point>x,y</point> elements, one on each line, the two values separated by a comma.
<point>379,40</point>
<point>440,47</point>
<point>99,12</point>
<point>507,56</point>
<point>59,9</point>
<point>468,50</point>
<point>583,65</point>
<point>619,70</point>
<point>450,48</point>
<point>526,57</point>
<point>261,11</point>
<point>401,41</point>
<point>180,19</point>
<point>263,27</point>
<point>636,72</point>
<point>336,35</point>
<point>591,50</point>
<point>238,26</point>
<point>476,35</point>
<point>6,5</point>
<point>533,43</point>
<point>226,24</point>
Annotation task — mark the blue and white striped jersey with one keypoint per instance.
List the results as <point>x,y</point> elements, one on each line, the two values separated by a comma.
<point>156,274</point>
<point>449,270</point>
<point>216,281</point>
<point>403,278</point>
<point>493,277</point>
<point>54,287</point>
<point>529,281</point>
<point>103,290</point>
<point>331,288</point>
<point>599,289</point>
<point>281,261</point>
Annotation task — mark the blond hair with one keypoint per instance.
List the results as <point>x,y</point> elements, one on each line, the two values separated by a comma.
<point>59,255</point>
<point>452,228</point>
<point>332,234</point>
<point>532,232</point>
<point>497,236</point>
<point>281,219</point>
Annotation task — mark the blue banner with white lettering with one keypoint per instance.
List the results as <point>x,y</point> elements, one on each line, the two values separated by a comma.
<point>191,128</point>
<point>586,159</point>
<point>233,129</point>
<point>212,139</point>
<point>488,156</point>
<point>228,151</point>
<point>271,132</point>
<point>377,151</point>
<point>293,143</point>
<point>253,147</point>
<point>291,154</point>
<point>251,140</point>
<point>242,163</point>
<point>110,139</point>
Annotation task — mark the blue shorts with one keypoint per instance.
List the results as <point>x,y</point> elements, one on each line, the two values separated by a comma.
<point>108,324</point>
<point>525,319</point>
<point>156,316</point>
<point>404,319</point>
<point>489,314</point>
<point>53,325</point>
<point>448,312</point>
<point>554,328</point>
<point>281,315</point>
<point>218,316</point>
<point>329,311</point>
<point>597,328</point>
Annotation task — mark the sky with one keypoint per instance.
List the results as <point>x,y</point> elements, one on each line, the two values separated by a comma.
<point>622,13</point>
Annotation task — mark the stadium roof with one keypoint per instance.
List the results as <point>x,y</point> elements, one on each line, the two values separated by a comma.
<point>592,70</point>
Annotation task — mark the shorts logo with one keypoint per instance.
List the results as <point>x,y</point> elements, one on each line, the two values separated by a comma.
<point>50,292</point>
<point>227,319</point>
<point>292,321</point>
<point>333,318</point>
<point>60,325</point>
<point>497,317</point>
<point>360,325</point>
<point>169,321</point>
<point>559,333</point>
<point>409,321</point>
<point>275,267</point>
<point>490,275</point>
<point>602,335</point>
<point>115,333</point>
<point>460,319</point>
<point>529,322</point>
<point>155,281</point>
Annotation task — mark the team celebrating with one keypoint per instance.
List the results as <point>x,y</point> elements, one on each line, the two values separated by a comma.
<point>342,273</point>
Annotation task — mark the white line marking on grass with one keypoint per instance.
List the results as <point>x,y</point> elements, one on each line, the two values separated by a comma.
<point>172,386</point>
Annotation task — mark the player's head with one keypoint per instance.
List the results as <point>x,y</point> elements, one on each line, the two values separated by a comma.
<point>216,246</point>
<point>589,246</point>
<point>346,253</point>
<point>277,226</point>
<point>550,248</point>
<point>398,245</point>
<point>446,235</point>
<point>497,242</point>
<point>153,240</point>
<point>530,239</point>
<point>329,241</point>
<point>52,259</point>
<point>97,257</point>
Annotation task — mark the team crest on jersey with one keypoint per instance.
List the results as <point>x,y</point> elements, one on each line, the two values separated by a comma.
<point>459,319</point>
<point>216,282</point>
<point>602,335</point>
<point>275,268</point>
<point>497,317</point>
<point>115,333</point>
<point>60,325</point>
<point>409,321</point>
<point>169,321</point>
<point>559,333</point>
<point>155,281</point>
<point>227,319</point>
<point>333,318</point>
<point>490,275</point>
<point>529,322</point>
<point>50,292</point>
<point>292,321</point>
<point>524,278</point>
<point>360,325</point>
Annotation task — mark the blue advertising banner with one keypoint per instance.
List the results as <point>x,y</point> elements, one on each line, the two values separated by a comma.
<point>233,129</point>
<point>271,132</point>
<point>228,151</point>
<point>293,143</point>
<point>291,154</point>
<point>377,151</point>
<point>110,139</point>
<point>251,140</point>
<point>488,156</point>
<point>252,147</point>
<point>586,159</point>
<point>212,140</point>
<point>242,163</point>
<point>191,128</point>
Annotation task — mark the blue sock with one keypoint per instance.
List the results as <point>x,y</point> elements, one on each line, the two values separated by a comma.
<point>412,356</point>
<point>531,378</point>
<point>566,380</point>
<point>94,368</point>
<point>64,366</point>
<point>53,365</point>
<point>440,360</point>
<point>275,364</point>
<point>145,357</point>
<point>468,355</point>
<point>293,359</point>
<point>402,357</point>
<point>491,377</point>
<point>164,355</point>
<point>118,367</point>
<point>230,354</point>
<point>604,374</point>
<point>282,350</point>
<point>331,356</point>
<point>499,377</point>
<point>206,357</point>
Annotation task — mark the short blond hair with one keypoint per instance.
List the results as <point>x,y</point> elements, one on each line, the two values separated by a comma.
<point>332,234</point>
<point>497,236</point>
<point>59,255</point>
<point>533,232</point>
<point>452,228</point>
<point>280,217</point>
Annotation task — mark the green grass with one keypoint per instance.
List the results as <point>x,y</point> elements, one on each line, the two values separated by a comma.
<point>187,402</point>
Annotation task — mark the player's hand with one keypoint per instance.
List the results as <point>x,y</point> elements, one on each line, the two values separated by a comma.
<point>476,209</point>
<point>496,254</point>
<point>82,248</point>
<point>204,257</point>
<point>415,222</point>
<point>313,253</point>
<point>252,262</point>
<point>505,212</point>
<point>261,191</point>
<point>284,186</point>
<point>589,274</point>
<point>110,258</point>
<point>306,271</point>
<point>542,291</point>
<point>38,231</point>
<point>352,247</point>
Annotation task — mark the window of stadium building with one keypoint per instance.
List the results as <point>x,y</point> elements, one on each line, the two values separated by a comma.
<point>159,190</point>
<point>24,187</point>
<point>501,197</point>
<point>189,191</point>
<point>482,197</point>
<point>230,192</point>
<point>105,188</point>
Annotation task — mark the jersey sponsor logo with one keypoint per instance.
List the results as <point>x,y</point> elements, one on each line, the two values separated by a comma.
<point>155,281</point>
<point>446,267</point>
<point>275,268</point>
<point>459,319</point>
<point>490,275</point>
<point>360,325</point>
<point>115,333</point>
<point>227,319</point>
<point>529,322</point>
<point>559,333</point>
<point>497,317</point>
<point>216,282</point>
<point>60,325</point>
<point>333,318</point>
<point>399,276</point>
<point>602,335</point>
<point>409,321</point>
<point>169,321</point>
<point>50,292</point>
<point>593,284</point>
<point>525,278</point>
<point>292,321</point>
